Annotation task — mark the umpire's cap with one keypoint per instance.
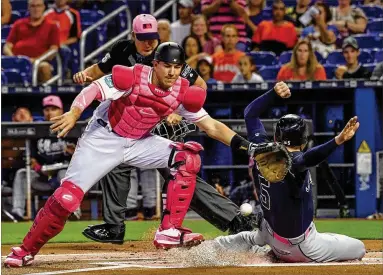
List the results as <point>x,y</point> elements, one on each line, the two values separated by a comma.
<point>170,52</point>
<point>291,130</point>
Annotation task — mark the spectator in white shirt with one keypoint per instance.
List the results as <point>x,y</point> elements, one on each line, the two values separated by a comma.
<point>181,28</point>
<point>246,72</point>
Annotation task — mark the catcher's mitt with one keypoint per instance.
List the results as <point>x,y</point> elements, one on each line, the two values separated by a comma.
<point>273,161</point>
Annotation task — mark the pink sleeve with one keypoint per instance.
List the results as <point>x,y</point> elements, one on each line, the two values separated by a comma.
<point>86,97</point>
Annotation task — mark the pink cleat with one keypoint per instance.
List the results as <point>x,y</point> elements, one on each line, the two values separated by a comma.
<point>18,258</point>
<point>171,238</point>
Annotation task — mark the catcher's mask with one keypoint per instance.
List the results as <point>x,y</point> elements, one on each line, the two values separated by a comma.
<point>291,130</point>
<point>170,52</point>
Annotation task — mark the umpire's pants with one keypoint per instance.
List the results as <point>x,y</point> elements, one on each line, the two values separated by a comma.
<point>207,202</point>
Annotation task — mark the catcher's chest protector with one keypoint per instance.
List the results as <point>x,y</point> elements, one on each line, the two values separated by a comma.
<point>134,115</point>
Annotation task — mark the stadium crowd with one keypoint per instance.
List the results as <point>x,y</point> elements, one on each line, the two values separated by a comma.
<point>306,40</point>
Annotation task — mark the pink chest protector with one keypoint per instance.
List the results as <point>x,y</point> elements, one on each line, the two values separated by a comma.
<point>135,114</point>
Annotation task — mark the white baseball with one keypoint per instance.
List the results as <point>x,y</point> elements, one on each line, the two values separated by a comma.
<point>246,209</point>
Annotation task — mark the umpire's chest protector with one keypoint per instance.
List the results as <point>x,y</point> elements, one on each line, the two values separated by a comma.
<point>136,113</point>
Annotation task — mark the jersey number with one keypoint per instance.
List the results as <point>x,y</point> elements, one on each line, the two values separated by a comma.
<point>265,197</point>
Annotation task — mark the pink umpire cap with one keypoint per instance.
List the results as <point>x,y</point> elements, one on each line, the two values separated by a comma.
<point>145,27</point>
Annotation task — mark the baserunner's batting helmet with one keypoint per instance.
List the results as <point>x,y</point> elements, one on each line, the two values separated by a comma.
<point>170,52</point>
<point>291,130</point>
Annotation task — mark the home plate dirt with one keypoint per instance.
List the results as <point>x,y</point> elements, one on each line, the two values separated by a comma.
<point>141,258</point>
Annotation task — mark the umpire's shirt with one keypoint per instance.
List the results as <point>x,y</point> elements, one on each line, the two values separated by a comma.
<point>124,53</point>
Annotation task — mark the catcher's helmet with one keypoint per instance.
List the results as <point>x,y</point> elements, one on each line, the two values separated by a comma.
<point>170,52</point>
<point>291,130</point>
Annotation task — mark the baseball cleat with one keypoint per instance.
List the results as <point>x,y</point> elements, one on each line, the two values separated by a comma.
<point>172,238</point>
<point>18,258</point>
<point>105,233</point>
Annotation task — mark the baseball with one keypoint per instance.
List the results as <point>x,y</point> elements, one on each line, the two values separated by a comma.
<point>246,209</point>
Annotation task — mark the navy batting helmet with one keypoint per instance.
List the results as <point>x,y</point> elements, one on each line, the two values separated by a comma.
<point>291,130</point>
<point>170,52</point>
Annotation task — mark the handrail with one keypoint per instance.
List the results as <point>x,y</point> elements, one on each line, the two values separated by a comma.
<point>44,57</point>
<point>169,4</point>
<point>85,33</point>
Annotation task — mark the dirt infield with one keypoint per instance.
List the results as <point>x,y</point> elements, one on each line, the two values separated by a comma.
<point>141,258</point>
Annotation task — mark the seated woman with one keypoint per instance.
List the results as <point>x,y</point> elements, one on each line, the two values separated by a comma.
<point>193,50</point>
<point>255,9</point>
<point>303,64</point>
<point>321,34</point>
<point>200,29</point>
<point>246,72</point>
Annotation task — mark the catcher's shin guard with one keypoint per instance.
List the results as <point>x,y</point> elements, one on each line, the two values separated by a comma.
<point>185,163</point>
<point>50,220</point>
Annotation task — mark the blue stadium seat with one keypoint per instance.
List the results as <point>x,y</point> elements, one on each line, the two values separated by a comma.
<point>374,26</point>
<point>5,30</point>
<point>285,57</point>
<point>22,64</point>
<point>330,70</point>
<point>370,67</point>
<point>369,41</point>
<point>269,72</point>
<point>19,5</point>
<point>336,57</point>
<point>119,24</point>
<point>378,57</point>
<point>15,77</point>
<point>264,58</point>
<point>372,11</point>
<point>4,78</point>
<point>97,37</point>
<point>16,15</point>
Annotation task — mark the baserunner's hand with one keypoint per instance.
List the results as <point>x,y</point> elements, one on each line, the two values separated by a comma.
<point>282,90</point>
<point>348,131</point>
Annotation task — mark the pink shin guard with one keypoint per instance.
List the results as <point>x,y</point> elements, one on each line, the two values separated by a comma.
<point>50,220</point>
<point>187,163</point>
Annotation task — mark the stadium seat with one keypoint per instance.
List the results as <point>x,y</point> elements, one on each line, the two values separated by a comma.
<point>264,58</point>
<point>269,72</point>
<point>378,57</point>
<point>285,57</point>
<point>97,37</point>
<point>119,23</point>
<point>16,15</point>
<point>369,41</point>
<point>330,71</point>
<point>5,30</point>
<point>372,11</point>
<point>375,26</point>
<point>370,67</point>
<point>4,79</point>
<point>22,64</point>
<point>14,76</point>
<point>19,5</point>
<point>336,57</point>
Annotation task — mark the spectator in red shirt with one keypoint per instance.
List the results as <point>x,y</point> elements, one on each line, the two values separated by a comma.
<point>68,20</point>
<point>226,61</point>
<point>277,35</point>
<point>303,65</point>
<point>33,36</point>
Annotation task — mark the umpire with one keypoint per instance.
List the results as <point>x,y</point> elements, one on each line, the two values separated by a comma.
<point>207,202</point>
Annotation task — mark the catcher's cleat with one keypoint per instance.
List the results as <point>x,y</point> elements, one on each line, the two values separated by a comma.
<point>18,258</point>
<point>172,238</point>
<point>105,233</point>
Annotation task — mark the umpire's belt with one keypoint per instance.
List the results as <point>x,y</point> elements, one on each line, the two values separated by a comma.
<point>289,241</point>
